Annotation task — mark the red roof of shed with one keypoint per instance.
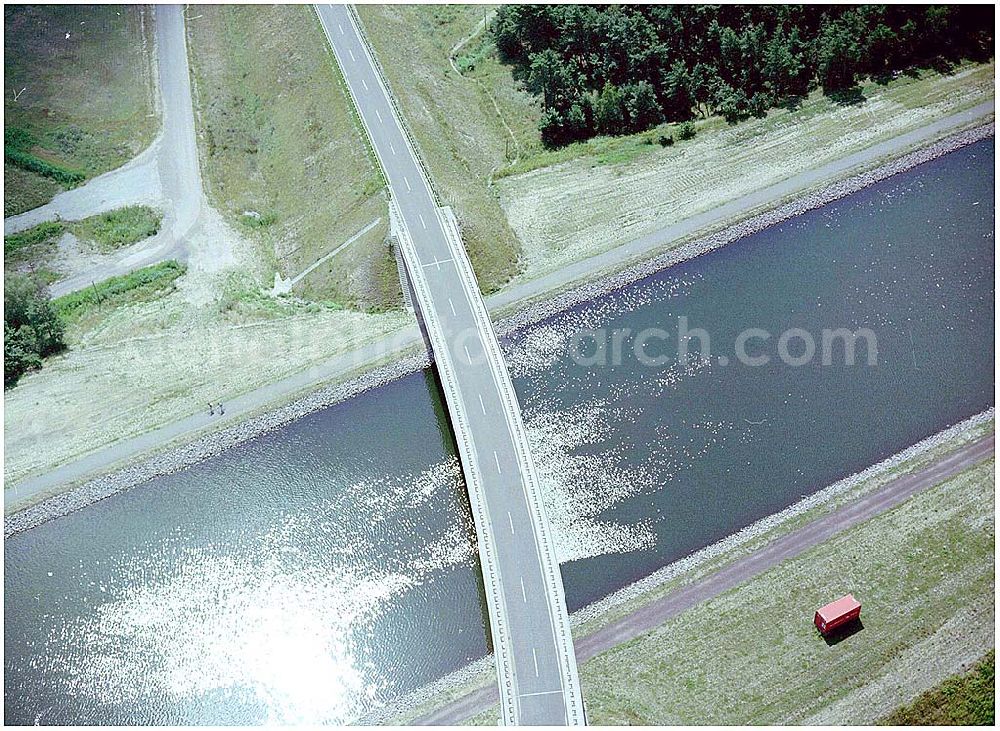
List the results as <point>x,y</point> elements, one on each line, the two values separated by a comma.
<point>838,608</point>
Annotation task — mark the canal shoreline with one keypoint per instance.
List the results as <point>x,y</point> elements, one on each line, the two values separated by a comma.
<point>214,443</point>
<point>476,677</point>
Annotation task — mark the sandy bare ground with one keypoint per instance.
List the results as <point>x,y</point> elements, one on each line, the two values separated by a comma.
<point>793,544</point>
<point>165,176</point>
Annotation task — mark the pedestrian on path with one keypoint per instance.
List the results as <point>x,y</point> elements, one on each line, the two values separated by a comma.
<point>211,409</point>
<point>221,410</point>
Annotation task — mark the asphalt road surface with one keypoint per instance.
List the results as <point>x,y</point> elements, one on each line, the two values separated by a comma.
<point>530,629</point>
<point>655,613</point>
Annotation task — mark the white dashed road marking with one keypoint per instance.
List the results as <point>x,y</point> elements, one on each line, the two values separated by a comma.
<point>497,460</point>
<point>407,181</point>
<point>481,404</point>
<point>379,116</point>
<point>364,84</point>
<point>467,356</point>
<point>352,54</point>
<point>535,658</point>
<point>524,594</point>
<point>452,304</point>
<point>341,28</point>
<point>392,148</point>
<point>421,220</point>
<point>511,521</point>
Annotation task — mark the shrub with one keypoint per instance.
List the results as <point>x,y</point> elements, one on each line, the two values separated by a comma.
<point>31,328</point>
<point>686,131</point>
<point>666,141</point>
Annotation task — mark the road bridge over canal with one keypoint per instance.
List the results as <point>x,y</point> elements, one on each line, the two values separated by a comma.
<point>536,665</point>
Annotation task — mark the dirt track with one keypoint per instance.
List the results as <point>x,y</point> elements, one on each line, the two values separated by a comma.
<point>665,608</point>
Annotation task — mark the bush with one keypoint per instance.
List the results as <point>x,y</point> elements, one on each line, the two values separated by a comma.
<point>666,141</point>
<point>119,290</point>
<point>686,131</point>
<point>31,328</point>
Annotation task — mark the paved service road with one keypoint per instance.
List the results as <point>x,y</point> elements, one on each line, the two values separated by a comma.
<point>536,665</point>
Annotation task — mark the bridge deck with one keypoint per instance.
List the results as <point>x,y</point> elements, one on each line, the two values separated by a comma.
<point>536,667</point>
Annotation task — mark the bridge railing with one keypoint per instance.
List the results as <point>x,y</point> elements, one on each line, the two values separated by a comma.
<point>555,595</point>
<point>397,112</point>
<point>477,499</point>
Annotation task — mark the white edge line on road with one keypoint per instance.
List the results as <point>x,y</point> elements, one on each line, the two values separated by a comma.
<point>497,460</point>
<point>535,658</point>
<point>524,594</point>
<point>481,404</point>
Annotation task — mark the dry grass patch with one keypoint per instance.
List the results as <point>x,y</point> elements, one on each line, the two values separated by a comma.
<point>283,156</point>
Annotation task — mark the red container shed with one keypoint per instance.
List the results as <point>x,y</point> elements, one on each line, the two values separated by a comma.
<point>838,613</point>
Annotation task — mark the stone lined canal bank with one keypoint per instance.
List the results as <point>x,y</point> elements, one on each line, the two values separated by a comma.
<point>216,443</point>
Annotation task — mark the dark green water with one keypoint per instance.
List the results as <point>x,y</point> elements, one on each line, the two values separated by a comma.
<point>326,568</point>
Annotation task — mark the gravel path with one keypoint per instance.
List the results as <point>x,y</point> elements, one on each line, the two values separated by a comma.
<point>738,572</point>
<point>165,176</point>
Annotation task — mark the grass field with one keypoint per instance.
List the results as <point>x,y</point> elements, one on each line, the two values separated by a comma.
<point>283,156</point>
<point>85,91</point>
<point>41,235</point>
<point>924,572</point>
<point>453,120</point>
<point>118,228</point>
<point>967,699</point>
<point>587,198</point>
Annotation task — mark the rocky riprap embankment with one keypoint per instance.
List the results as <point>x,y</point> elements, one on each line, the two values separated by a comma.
<point>210,445</point>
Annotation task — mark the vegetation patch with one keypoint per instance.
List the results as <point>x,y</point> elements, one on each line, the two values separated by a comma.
<point>17,142</point>
<point>118,228</point>
<point>613,70</point>
<point>40,235</point>
<point>282,153</point>
<point>81,95</point>
<point>142,285</point>
<point>968,699</point>
<point>32,331</point>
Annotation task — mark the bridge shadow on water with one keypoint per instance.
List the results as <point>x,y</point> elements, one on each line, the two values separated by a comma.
<point>451,445</point>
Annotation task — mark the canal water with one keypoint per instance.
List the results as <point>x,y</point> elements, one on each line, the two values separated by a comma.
<point>325,569</point>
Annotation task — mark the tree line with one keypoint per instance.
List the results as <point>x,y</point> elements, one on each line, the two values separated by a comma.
<point>620,69</point>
